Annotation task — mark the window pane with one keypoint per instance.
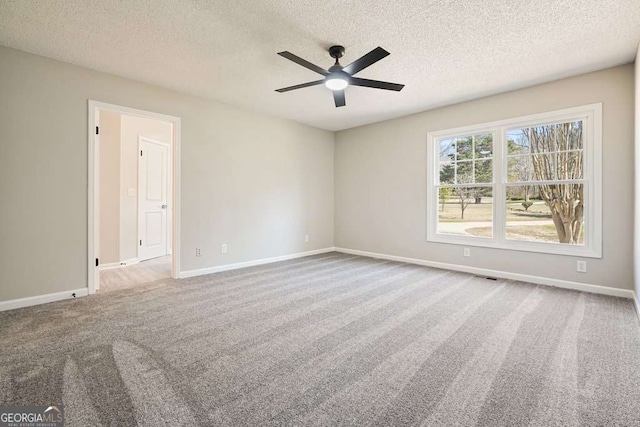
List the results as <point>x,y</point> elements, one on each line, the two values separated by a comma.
<point>484,171</point>
<point>570,165</point>
<point>464,172</point>
<point>517,142</point>
<point>447,173</point>
<point>544,167</point>
<point>483,145</point>
<point>531,210</point>
<point>569,136</point>
<point>519,168</point>
<point>466,211</point>
<point>541,139</point>
<point>447,149</point>
<point>464,148</point>
<point>545,138</point>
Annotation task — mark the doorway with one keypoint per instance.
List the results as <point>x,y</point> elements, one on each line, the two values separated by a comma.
<point>133,196</point>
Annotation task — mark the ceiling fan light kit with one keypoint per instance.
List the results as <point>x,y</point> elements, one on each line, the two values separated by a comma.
<point>337,78</point>
<point>336,82</point>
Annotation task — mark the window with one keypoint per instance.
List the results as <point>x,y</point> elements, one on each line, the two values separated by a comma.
<point>531,183</point>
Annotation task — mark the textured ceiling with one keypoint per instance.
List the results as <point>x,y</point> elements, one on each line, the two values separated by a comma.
<point>444,51</point>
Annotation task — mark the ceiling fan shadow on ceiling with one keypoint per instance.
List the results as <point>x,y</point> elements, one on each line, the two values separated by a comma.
<point>337,77</point>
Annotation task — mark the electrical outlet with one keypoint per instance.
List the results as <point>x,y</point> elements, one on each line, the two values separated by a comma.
<point>306,238</point>
<point>198,252</point>
<point>581,266</point>
<point>466,252</point>
<point>223,248</point>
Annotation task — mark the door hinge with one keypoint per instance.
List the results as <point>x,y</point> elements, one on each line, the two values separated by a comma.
<point>140,153</point>
<point>140,242</point>
<point>97,130</point>
<point>97,262</point>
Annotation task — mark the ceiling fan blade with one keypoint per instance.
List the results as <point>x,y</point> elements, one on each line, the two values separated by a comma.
<point>300,86</point>
<point>370,58</point>
<point>338,97</point>
<point>291,57</point>
<point>376,84</point>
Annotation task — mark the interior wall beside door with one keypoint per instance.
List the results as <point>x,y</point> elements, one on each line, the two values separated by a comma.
<point>109,192</point>
<point>253,181</point>
<point>132,127</point>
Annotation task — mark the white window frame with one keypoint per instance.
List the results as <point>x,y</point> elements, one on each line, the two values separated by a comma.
<point>591,115</point>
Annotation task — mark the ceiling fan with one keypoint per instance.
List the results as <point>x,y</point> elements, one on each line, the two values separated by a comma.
<point>337,77</point>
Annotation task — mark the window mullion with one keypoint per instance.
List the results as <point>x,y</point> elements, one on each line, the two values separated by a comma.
<point>499,177</point>
<point>549,182</point>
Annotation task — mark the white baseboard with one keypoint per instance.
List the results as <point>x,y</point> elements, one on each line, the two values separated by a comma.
<point>594,289</point>
<point>109,266</point>
<point>42,299</point>
<point>635,300</point>
<point>217,269</point>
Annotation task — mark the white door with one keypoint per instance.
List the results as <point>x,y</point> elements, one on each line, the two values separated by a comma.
<point>152,198</point>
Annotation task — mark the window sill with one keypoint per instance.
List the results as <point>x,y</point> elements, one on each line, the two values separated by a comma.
<point>514,245</point>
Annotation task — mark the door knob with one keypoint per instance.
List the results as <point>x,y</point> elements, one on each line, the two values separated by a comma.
<point>164,206</point>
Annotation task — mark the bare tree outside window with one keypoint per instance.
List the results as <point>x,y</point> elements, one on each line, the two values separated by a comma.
<point>556,153</point>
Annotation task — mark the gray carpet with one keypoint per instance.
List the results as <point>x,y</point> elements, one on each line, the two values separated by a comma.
<point>328,340</point>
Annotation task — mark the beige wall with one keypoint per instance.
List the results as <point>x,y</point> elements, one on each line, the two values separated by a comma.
<point>109,181</point>
<point>260,183</point>
<point>380,180</point>
<point>252,181</point>
<point>132,128</point>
